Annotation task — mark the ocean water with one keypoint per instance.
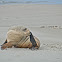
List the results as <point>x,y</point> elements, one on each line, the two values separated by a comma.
<point>30,1</point>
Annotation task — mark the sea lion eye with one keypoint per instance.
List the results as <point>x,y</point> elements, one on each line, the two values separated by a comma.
<point>25,29</point>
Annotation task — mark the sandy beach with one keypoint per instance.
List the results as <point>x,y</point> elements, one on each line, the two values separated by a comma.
<point>44,21</point>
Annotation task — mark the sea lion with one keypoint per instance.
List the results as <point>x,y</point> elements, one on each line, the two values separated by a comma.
<point>20,37</point>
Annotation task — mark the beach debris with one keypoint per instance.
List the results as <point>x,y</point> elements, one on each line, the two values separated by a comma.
<point>51,26</point>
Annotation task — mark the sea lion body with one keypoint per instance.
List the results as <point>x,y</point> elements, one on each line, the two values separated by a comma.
<point>19,37</point>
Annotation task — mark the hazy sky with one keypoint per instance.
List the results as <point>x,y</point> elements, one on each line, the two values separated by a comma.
<point>32,1</point>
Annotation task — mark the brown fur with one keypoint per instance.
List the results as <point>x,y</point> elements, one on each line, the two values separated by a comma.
<point>19,37</point>
<point>26,44</point>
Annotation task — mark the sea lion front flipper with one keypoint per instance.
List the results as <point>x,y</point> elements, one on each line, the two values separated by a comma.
<point>32,40</point>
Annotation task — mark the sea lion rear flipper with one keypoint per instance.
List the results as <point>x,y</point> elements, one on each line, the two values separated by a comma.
<point>4,42</point>
<point>6,45</point>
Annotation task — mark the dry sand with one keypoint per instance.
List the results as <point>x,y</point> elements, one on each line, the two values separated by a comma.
<point>30,15</point>
<point>45,22</point>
